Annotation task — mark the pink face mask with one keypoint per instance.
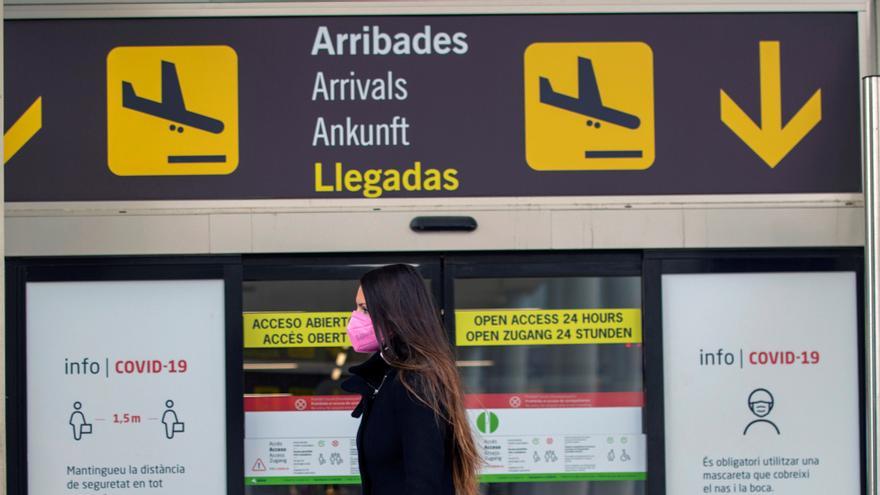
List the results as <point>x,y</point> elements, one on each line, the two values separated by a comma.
<point>360,331</point>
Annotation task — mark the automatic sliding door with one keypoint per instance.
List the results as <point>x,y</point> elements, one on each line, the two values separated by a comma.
<point>299,433</point>
<point>550,351</point>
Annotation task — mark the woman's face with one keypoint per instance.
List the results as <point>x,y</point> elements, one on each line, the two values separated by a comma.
<point>359,301</point>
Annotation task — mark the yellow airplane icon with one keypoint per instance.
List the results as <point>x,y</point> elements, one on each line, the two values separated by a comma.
<point>589,106</point>
<point>172,110</point>
<point>172,106</point>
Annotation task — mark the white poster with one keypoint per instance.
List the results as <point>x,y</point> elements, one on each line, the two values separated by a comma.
<point>126,387</point>
<point>761,383</point>
<point>527,437</point>
<point>584,437</point>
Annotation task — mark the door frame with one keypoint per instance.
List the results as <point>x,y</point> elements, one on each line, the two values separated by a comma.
<point>442,268</point>
<point>21,271</point>
<point>661,262</point>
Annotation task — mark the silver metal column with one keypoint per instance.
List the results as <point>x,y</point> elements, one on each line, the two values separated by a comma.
<point>871,161</point>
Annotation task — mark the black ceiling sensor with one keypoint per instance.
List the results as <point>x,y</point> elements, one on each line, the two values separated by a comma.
<point>443,224</point>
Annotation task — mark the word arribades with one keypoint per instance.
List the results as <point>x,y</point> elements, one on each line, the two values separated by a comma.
<point>373,41</point>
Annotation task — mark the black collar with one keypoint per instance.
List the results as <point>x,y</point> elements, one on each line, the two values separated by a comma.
<point>366,379</point>
<point>372,368</point>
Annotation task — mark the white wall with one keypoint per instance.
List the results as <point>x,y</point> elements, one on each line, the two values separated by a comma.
<point>516,224</point>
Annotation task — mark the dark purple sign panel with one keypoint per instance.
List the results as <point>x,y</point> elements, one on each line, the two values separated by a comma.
<point>438,106</point>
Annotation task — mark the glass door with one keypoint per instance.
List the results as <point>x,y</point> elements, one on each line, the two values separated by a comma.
<point>299,433</point>
<point>550,350</point>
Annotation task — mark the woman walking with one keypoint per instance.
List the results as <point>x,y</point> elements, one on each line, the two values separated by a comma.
<point>414,437</point>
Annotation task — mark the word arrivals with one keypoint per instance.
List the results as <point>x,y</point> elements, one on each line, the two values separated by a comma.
<point>361,134</point>
<point>359,88</point>
<point>372,183</point>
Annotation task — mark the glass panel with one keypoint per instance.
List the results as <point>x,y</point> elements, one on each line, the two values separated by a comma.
<point>313,365</point>
<point>299,433</point>
<point>562,409</point>
<point>281,374</point>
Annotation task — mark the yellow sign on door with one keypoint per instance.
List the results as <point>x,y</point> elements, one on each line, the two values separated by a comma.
<point>290,329</point>
<point>589,106</point>
<point>172,110</point>
<point>483,327</point>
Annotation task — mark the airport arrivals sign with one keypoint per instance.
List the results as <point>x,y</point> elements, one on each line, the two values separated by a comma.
<point>433,106</point>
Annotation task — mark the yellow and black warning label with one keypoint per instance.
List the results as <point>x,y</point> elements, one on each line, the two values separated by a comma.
<point>285,329</point>
<point>548,326</point>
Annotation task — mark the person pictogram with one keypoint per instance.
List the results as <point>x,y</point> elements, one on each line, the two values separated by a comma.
<point>170,420</point>
<point>761,403</point>
<point>78,422</point>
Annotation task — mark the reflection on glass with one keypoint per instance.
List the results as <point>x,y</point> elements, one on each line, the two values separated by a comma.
<point>522,369</point>
<point>298,371</point>
<point>289,373</point>
<point>311,371</point>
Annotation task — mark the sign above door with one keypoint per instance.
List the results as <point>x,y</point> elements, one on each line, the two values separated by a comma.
<point>431,106</point>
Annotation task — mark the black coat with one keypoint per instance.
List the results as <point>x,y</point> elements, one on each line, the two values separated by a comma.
<point>402,448</point>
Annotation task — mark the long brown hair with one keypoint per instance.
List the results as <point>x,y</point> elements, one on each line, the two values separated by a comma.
<point>414,341</point>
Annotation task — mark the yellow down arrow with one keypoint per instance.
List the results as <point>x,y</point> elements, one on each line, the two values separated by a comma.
<point>771,140</point>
